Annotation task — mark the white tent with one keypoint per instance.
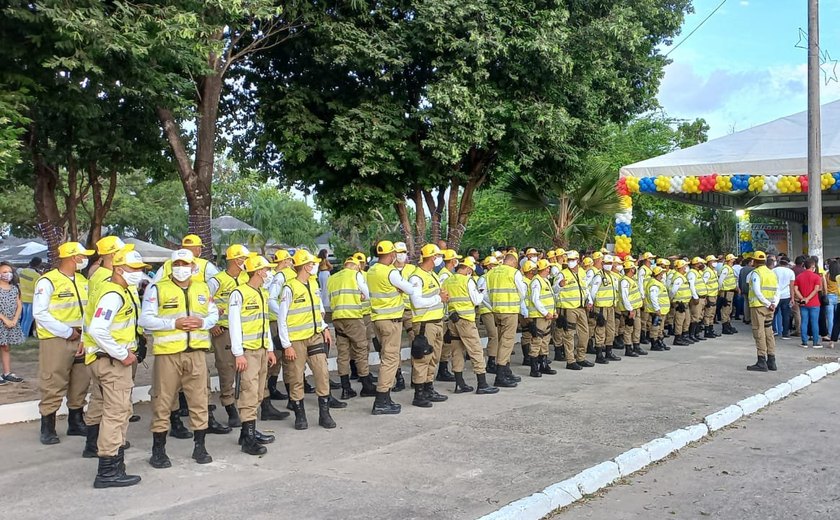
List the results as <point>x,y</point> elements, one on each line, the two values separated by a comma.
<point>776,148</point>
<point>151,253</point>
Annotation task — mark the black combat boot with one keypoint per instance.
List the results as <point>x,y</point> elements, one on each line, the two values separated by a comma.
<point>645,339</point>
<point>586,363</point>
<point>334,385</point>
<point>545,367</point>
<point>618,343</point>
<point>432,394</point>
<point>177,428</point>
<point>491,365</point>
<point>771,363</point>
<point>559,354</point>
<point>307,388</point>
<point>513,377</point>
<point>399,381</point>
<point>233,416</point>
<point>697,329</point>
<point>368,388</point>
<point>354,372</point>
<point>183,407</point>
<point>461,387</point>
<point>347,391</point>
<point>629,352</point>
<point>259,436</point>
<point>708,332</point>
<point>655,346</point>
<point>383,405</point>
<point>535,367</point>
<point>273,393</point>
<point>159,459</point>
<point>590,346</point>
<point>573,366</point>
<point>639,350</point>
<point>760,365</point>
<point>76,423</point>
<point>526,355</point>
<point>91,451</point>
<point>325,420</point>
<point>111,473</point>
<point>333,402</point>
<point>680,341</point>
<point>420,399</point>
<point>199,453</point>
<point>599,356</point>
<point>443,373</point>
<point>300,415</point>
<point>502,379</point>
<point>610,355</point>
<point>482,387</point>
<point>215,427</point>
<point>269,413</point>
<point>248,439</point>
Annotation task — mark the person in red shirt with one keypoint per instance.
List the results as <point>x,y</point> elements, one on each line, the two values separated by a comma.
<point>807,287</point>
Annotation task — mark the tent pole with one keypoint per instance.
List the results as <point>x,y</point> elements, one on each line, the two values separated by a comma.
<point>815,242</point>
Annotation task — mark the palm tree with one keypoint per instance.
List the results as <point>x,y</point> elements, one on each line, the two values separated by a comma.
<point>576,209</point>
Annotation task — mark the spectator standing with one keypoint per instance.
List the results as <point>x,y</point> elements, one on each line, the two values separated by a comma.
<point>744,285</point>
<point>781,319</point>
<point>807,286</point>
<point>10,311</point>
<point>27,276</point>
<point>324,270</point>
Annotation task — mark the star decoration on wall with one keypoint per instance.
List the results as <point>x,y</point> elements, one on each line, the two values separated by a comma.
<point>802,43</point>
<point>828,66</point>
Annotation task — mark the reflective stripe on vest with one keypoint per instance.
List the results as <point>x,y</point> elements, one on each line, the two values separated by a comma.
<point>304,318</point>
<point>663,300</point>
<point>345,295</point>
<point>253,317</point>
<point>573,292</point>
<point>95,283</point>
<point>174,302</point>
<point>385,300</point>
<point>730,282</point>
<point>684,292</point>
<point>124,325</point>
<point>605,297</point>
<point>769,284</point>
<point>431,288</point>
<point>546,298</point>
<point>28,277</point>
<point>227,284</point>
<point>68,300</point>
<point>457,285</point>
<point>501,284</point>
<point>712,284</point>
<point>633,294</point>
<point>406,272</point>
<point>699,285</point>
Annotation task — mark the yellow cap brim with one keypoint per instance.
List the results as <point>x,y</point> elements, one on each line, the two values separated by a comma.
<point>137,265</point>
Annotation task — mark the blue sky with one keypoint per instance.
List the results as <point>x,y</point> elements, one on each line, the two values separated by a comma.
<point>741,68</point>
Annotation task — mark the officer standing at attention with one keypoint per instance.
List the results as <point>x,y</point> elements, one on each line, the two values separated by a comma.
<point>485,314</point>
<point>305,339</point>
<point>203,269</point>
<point>657,305</point>
<point>644,272</point>
<point>385,284</point>
<point>728,285</point>
<point>603,292</point>
<point>450,262</point>
<point>575,302</point>
<point>347,290</point>
<point>59,309</point>
<point>541,312</point>
<point>763,299</point>
<point>252,348</point>
<point>179,312</point>
<point>680,294</point>
<point>463,299</point>
<point>696,306</point>
<point>282,272</point>
<point>630,304</point>
<point>427,302</point>
<point>110,357</point>
<point>507,290</point>
<point>710,278</point>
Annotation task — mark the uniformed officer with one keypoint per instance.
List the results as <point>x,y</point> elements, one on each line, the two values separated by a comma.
<point>603,291</point>
<point>463,298</point>
<point>630,304</point>
<point>680,293</point>
<point>348,290</point>
<point>282,272</point>
<point>450,262</point>
<point>657,305</point>
<point>203,270</point>
<point>728,285</point>
<point>385,284</point>
<point>575,303</point>
<point>375,345</point>
<point>763,298</point>
<point>179,311</point>
<point>427,309</point>
<point>697,305</point>
<point>542,312</point>
<point>507,290</point>
<point>665,264</point>
<point>485,314</point>
<point>643,273</point>
<point>59,309</point>
<point>252,348</point>
<point>710,278</point>
<point>110,356</point>
<point>405,269</point>
<point>28,277</point>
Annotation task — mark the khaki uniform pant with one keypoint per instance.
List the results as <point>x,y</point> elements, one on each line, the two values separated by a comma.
<point>110,404</point>
<point>696,309</point>
<point>709,311</point>
<point>669,319</point>
<point>446,349</point>
<point>317,361</point>
<point>61,376</point>
<point>506,325</point>
<point>577,324</point>
<point>274,371</point>
<point>525,327</point>
<point>469,342</point>
<point>423,369</point>
<point>370,329</point>
<point>390,336</point>
<point>632,335</point>
<point>253,383</point>
<point>762,328</point>
<point>643,316</point>
<point>185,371</point>
<point>351,342</point>
<point>726,312</point>
<point>681,321</point>
<point>407,325</point>
<point>225,367</point>
<point>605,335</point>
<point>539,344</point>
<point>656,331</point>
<point>619,323</point>
<point>492,334</point>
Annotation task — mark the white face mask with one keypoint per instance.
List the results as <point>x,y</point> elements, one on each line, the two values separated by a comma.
<point>714,265</point>
<point>438,261</point>
<point>608,267</point>
<point>267,279</point>
<point>619,269</point>
<point>182,273</point>
<point>402,257</point>
<point>133,278</point>
<point>313,269</point>
<point>573,264</point>
<point>81,265</point>
<point>6,277</point>
<point>533,259</point>
<point>456,265</point>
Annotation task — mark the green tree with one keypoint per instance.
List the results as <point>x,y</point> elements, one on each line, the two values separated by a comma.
<point>497,223</point>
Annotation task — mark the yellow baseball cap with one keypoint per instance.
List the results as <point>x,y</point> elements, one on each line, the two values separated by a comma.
<point>679,264</point>
<point>543,264</point>
<point>281,254</point>
<point>360,257</point>
<point>630,258</point>
<point>559,251</point>
<point>469,262</point>
<point>759,255</point>
<point>111,244</point>
<point>628,264</point>
<point>657,270</point>
<point>68,249</point>
<point>697,260</point>
<point>400,247</point>
<point>490,260</point>
<point>711,258</point>
<point>352,260</point>
<point>236,251</point>
<point>587,262</point>
<point>663,262</point>
<point>528,266</point>
<point>531,251</point>
<point>192,241</point>
<point>303,257</point>
<point>255,263</point>
<point>597,254</point>
<point>451,254</point>
<point>551,253</point>
<point>572,255</point>
<point>384,247</point>
<point>430,250</point>
<point>729,257</point>
<point>129,258</point>
<point>647,255</point>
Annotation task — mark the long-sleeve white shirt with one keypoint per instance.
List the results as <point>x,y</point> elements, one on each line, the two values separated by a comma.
<point>624,287</point>
<point>595,284</point>
<point>100,325</point>
<point>235,325</point>
<point>755,288</point>
<point>475,295</point>
<point>274,290</point>
<point>150,320</point>
<point>675,286</point>
<point>396,279</point>
<point>654,297</point>
<point>282,314</point>
<point>40,309</point>
<point>481,285</point>
<point>536,292</point>
<point>641,275</point>
<point>723,274</point>
<point>692,280</point>
<point>418,301</point>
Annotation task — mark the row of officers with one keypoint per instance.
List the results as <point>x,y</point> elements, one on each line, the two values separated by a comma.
<point>260,317</point>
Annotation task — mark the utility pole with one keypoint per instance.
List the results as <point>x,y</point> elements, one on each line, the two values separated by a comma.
<point>815,241</point>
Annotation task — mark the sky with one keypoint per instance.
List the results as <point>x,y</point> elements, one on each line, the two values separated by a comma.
<point>742,67</point>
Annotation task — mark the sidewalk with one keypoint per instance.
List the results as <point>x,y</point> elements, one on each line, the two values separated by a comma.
<point>461,459</point>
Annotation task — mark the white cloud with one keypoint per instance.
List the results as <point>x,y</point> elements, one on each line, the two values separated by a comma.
<point>745,3</point>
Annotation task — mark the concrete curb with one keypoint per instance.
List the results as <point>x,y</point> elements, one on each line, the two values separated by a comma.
<point>597,477</point>
<point>28,410</point>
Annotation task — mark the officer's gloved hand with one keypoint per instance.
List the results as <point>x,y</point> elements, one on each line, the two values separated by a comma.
<point>141,348</point>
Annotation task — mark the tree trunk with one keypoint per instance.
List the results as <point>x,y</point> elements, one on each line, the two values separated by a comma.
<point>101,206</point>
<point>70,200</point>
<point>46,205</point>
<point>435,211</point>
<point>405,226</point>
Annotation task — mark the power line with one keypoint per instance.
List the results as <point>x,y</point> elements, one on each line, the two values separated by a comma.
<point>695,29</point>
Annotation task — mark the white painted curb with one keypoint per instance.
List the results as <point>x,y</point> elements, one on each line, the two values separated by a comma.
<point>597,477</point>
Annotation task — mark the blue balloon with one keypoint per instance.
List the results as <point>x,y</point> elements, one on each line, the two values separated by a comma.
<point>746,247</point>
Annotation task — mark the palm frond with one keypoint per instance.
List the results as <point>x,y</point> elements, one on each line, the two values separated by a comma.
<point>524,193</point>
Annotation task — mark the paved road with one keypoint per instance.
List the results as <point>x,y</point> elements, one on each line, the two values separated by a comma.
<point>459,460</point>
<point>778,464</point>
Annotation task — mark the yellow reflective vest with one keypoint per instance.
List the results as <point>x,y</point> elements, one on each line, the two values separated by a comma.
<point>546,298</point>
<point>175,302</point>
<point>304,318</point>
<point>345,295</point>
<point>227,284</point>
<point>699,285</point>
<point>406,271</point>
<point>457,285</point>
<point>501,284</point>
<point>385,300</point>
<point>253,316</point>
<point>431,288</point>
<point>634,294</point>
<point>482,307</point>
<point>730,282</point>
<point>68,301</point>
<point>769,285</point>
<point>683,294</point>
<point>712,283</point>
<point>123,326</point>
<point>572,294</point>
<point>28,277</point>
<point>662,299</point>
<point>606,295</point>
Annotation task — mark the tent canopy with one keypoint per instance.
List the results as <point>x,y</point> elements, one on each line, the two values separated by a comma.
<point>779,147</point>
<point>151,253</point>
